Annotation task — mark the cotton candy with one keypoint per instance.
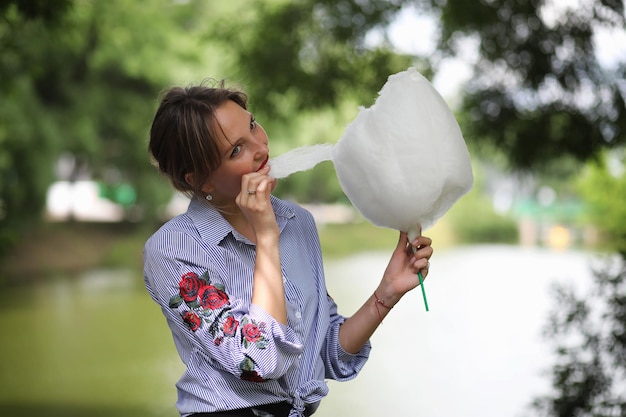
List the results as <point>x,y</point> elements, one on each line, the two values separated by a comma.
<point>402,162</point>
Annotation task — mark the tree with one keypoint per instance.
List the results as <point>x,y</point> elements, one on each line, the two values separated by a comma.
<point>603,186</point>
<point>23,170</point>
<point>81,78</point>
<point>539,91</point>
<point>589,334</point>
<point>540,94</point>
<point>313,54</point>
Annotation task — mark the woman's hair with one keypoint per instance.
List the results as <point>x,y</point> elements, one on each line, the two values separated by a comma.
<point>183,138</point>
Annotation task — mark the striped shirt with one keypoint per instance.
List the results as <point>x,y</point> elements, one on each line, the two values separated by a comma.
<point>200,271</point>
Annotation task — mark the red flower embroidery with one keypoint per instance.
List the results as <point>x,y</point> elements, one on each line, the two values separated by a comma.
<point>251,376</point>
<point>251,332</point>
<point>211,297</point>
<point>190,284</point>
<point>230,326</point>
<point>192,320</point>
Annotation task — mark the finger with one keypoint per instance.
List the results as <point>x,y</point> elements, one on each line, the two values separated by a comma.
<point>264,186</point>
<point>253,180</point>
<point>420,264</point>
<point>250,186</point>
<point>417,246</point>
<point>403,241</point>
<point>420,242</point>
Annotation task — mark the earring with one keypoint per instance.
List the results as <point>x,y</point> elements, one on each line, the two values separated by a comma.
<point>209,197</point>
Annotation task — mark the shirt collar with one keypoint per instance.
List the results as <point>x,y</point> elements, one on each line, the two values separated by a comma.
<point>213,227</point>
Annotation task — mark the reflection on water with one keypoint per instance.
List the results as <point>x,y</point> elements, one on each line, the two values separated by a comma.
<point>91,345</point>
<point>97,345</point>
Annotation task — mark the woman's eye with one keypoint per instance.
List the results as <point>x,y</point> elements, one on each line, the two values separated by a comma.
<point>252,123</point>
<point>236,150</point>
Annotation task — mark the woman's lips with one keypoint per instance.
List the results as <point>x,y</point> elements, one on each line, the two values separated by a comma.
<point>267,158</point>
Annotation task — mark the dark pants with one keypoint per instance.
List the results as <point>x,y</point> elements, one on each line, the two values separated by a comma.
<point>267,410</point>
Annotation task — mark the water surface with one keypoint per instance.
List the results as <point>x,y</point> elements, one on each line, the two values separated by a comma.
<point>97,345</point>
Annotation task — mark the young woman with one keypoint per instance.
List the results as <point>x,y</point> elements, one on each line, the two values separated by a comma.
<point>239,276</point>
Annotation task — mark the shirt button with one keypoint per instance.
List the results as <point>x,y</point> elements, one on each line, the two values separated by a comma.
<point>298,315</point>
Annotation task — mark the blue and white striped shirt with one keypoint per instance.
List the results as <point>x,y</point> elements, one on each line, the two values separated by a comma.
<point>200,271</point>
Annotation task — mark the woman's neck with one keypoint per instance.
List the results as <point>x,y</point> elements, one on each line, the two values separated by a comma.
<point>239,222</point>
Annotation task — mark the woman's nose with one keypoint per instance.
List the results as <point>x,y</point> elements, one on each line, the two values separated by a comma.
<point>262,148</point>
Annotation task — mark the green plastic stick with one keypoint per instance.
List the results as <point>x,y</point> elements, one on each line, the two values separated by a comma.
<point>419,274</point>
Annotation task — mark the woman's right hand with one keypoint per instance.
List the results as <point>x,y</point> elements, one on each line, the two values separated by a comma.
<point>255,203</point>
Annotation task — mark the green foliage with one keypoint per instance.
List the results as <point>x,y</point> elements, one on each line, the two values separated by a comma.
<point>341,240</point>
<point>589,336</point>
<point>81,79</point>
<point>603,186</point>
<point>312,51</point>
<point>319,185</point>
<point>539,92</point>
<point>474,220</point>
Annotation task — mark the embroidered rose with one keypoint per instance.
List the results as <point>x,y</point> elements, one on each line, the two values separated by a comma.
<point>248,372</point>
<point>192,288</point>
<point>208,304</point>
<point>190,284</point>
<point>251,376</point>
<point>230,326</point>
<point>251,332</point>
<point>212,297</point>
<point>192,320</point>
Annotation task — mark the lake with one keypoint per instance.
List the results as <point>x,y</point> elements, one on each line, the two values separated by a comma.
<point>96,344</point>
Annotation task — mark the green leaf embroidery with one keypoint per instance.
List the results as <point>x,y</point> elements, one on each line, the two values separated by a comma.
<point>175,301</point>
<point>247,364</point>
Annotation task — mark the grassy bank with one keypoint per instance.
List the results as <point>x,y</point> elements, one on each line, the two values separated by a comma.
<point>71,248</point>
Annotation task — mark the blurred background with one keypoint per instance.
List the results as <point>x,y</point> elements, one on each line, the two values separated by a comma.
<point>527,290</point>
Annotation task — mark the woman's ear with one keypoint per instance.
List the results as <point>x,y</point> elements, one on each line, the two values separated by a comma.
<point>207,187</point>
<point>189,178</point>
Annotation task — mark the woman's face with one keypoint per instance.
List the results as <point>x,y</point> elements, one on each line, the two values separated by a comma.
<point>243,146</point>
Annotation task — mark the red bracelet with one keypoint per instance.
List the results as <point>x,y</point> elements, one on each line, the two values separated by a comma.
<point>382,303</point>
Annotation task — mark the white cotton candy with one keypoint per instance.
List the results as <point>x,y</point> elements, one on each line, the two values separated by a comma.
<point>402,162</point>
<point>300,159</point>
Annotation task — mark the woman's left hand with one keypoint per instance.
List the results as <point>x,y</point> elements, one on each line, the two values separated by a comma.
<point>407,260</point>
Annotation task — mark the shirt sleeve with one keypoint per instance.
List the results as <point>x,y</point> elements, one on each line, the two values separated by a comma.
<point>183,277</point>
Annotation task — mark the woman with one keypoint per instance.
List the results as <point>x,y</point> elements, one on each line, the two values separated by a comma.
<point>239,276</point>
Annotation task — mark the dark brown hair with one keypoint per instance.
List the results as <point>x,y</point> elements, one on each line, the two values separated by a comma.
<point>183,138</point>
